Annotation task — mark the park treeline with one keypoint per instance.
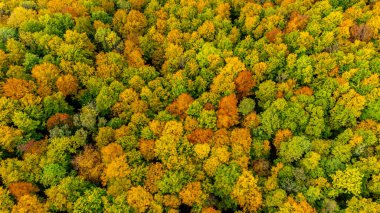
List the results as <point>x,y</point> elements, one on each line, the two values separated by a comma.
<point>202,106</point>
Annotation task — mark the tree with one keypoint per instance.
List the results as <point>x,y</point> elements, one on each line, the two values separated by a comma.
<point>20,189</point>
<point>106,135</point>
<point>46,76</point>
<point>361,205</point>
<point>111,152</point>
<point>139,199</point>
<point>244,83</point>
<point>242,138</point>
<point>92,201</point>
<point>109,65</point>
<point>166,145</point>
<point>223,83</point>
<point>117,167</point>
<point>31,60</point>
<point>246,106</point>
<point>136,22</point>
<point>282,136</point>
<point>266,93</point>
<point>29,203</point>
<point>154,173</point>
<point>349,181</point>
<point>83,25</point>
<point>207,119</point>
<point>247,193</point>
<point>59,119</point>
<point>173,181</point>
<point>134,54</point>
<point>5,34</point>
<point>88,116</point>
<point>252,120</point>
<point>347,109</point>
<point>147,149</point>
<point>192,194</point>
<point>273,35</point>
<point>89,164</point>
<point>24,122</point>
<point>76,47</point>
<point>20,15</point>
<point>17,88</point>
<point>297,22</point>
<point>108,96</point>
<point>316,125</point>
<point>63,196</point>
<point>223,10</point>
<point>57,23</point>
<point>55,104</point>
<point>361,32</point>
<point>228,112</point>
<point>10,137</point>
<point>119,19</point>
<point>52,174</point>
<point>291,205</point>
<point>200,136</point>
<point>207,30</point>
<point>6,202</point>
<point>202,150</point>
<point>107,38</point>
<point>67,85</point>
<point>101,16</point>
<point>71,6</point>
<point>370,111</point>
<point>226,176</point>
<point>180,105</point>
<point>294,149</point>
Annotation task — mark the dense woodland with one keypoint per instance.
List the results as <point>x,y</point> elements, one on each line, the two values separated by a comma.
<point>189,106</point>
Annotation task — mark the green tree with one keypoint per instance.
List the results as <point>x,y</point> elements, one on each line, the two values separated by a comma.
<point>91,201</point>
<point>63,196</point>
<point>225,180</point>
<point>294,149</point>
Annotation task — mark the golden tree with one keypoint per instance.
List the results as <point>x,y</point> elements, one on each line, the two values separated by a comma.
<point>247,193</point>
<point>17,88</point>
<point>139,198</point>
<point>89,164</point>
<point>67,84</point>
<point>192,194</point>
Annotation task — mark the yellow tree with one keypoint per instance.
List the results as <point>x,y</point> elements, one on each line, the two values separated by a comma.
<point>192,194</point>
<point>46,76</point>
<point>154,173</point>
<point>241,137</point>
<point>9,137</point>
<point>29,203</point>
<point>134,25</point>
<point>115,164</point>
<point>147,149</point>
<point>89,164</point>
<point>20,15</point>
<point>291,205</point>
<point>139,198</point>
<point>247,193</point>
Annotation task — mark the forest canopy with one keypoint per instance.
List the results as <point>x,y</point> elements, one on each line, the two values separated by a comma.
<point>203,106</point>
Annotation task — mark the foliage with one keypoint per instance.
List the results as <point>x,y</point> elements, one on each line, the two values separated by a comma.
<point>189,106</point>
